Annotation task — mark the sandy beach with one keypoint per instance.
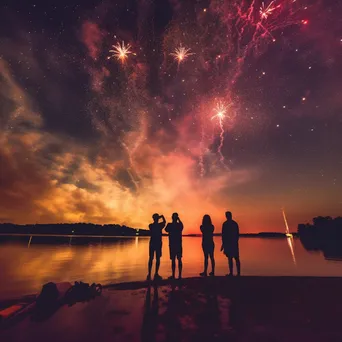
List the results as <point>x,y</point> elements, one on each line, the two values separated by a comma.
<point>211,309</point>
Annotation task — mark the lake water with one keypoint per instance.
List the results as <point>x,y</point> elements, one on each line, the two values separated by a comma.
<point>25,268</point>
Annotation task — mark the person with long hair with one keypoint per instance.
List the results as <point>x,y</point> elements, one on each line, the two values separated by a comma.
<point>208,246</point>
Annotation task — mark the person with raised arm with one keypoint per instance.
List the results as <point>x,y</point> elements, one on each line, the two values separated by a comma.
<point>155,246</point>
<point>175,229</point>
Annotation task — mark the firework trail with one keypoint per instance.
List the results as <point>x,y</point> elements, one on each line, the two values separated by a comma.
<point>244,29</point>
<point>285,221</point>
<point>255,27</point>
<point>219,150</point>
<point>201,160</point>
<point>131,170</point>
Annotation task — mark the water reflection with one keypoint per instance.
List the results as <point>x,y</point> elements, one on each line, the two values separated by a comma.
<point>24,270</point>
<point>150,317</point>
<point>290,242</point>
<point>289,237</point>
<point>331,248</point>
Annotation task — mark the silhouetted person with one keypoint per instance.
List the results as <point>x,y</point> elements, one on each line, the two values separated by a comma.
<point>208,245</point>
<point>230,242</point>
<point>175,229</point>
<point>155,244</point>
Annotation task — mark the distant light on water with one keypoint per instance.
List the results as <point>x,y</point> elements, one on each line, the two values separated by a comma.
<point>291,246</point>
<point>289,237</point>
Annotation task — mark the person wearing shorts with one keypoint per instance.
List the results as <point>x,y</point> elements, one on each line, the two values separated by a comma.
<point>155,246</point>
<point>175,229</point>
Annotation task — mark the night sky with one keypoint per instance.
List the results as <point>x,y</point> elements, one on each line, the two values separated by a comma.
<point>250,120</point>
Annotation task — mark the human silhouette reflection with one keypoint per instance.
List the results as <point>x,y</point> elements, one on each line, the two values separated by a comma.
<point>230,243</point>
<point>175,307</point>
<point>155,246</point>
<point>175,229</point>
<point>208,319</point>
<point>150,317</point>
<point>208,246</point>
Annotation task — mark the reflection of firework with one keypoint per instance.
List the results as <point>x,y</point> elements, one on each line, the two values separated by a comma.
<point>120,51</point>
<point>289,237</point>
<point>181,53</point>
<point>291,246</point>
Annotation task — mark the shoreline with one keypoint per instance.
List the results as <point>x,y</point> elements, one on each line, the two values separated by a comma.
<point>196,309</point>
<point>138,285</point>
<point>143,284</point>
<point>262,235</point>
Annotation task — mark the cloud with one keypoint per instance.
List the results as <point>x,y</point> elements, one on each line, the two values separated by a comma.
<point>48,176</point>
<point>127,166</point>
<point>92,36</point>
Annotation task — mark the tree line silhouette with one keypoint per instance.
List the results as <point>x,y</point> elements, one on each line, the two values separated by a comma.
<point>72,229</point>
<point>324,234</point>
<point>83,228</point>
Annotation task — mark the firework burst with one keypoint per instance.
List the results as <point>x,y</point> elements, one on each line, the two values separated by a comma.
<point>220,111</point>
<point>181,53</point>
<point>120,52</point>
<point>266,11</point>
<point>220,114</point>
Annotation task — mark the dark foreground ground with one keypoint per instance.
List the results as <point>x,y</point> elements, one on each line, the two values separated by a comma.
<point>213,309</point>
